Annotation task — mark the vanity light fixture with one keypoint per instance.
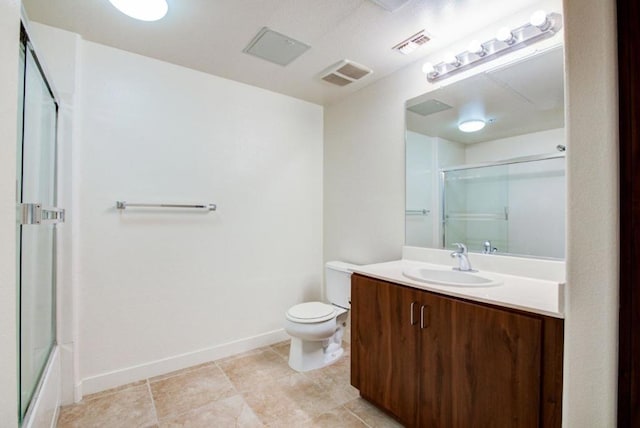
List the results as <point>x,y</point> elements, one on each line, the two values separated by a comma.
<point>505,35</point>
<point>475,47</point>
<point>143,10</point>
<point>471,125</point>
<point>540,26</point>
<point>451,59</point>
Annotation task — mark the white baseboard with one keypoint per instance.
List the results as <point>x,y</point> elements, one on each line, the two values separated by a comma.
<point>44,408</point>
<point>123,376</point>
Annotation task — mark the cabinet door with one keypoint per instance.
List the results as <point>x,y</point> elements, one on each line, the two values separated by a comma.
<point>384,345</point>
<point>435,363</point>
<point>495,367</point>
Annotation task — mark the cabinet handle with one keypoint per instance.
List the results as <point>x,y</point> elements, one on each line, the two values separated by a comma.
<point>422,324</point>
<point>413,322</point>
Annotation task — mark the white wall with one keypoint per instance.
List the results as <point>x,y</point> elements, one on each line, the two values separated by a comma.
<point>159,290</point>
<point>9,48</point>
<point>153,284</point>
<point>535,143</point>
<point>591,325</point>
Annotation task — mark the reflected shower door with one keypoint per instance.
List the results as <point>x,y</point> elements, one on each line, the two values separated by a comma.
<point>36,194</point>
<point>476,207</point>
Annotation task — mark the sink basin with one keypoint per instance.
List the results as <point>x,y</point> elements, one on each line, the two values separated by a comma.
<point>453,278</point>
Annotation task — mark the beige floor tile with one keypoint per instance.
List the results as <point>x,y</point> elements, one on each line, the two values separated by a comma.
<point>113,390</point>
<point>126,408</point>
<point>188,391</point>
<point>229,412</point>
<point>336,380</point>
<point>181,371</point>
<point>290,401</point>
<point>339,417</point>
<point>371,415</point>
<point>252,370</point>
<point>282,349</point>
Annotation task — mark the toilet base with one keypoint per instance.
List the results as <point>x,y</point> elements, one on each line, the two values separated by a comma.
<point>308,355</point>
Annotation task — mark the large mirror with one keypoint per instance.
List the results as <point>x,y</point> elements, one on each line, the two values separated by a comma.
<point>500,189</point>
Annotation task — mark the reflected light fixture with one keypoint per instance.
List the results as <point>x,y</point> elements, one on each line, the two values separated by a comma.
<point>541,25</point>
<point>450,58</point>
<point>143,10</point>
<point>475,47</point>
<point>427,68</point>
<point>505,35</point>
<point>471,125</point>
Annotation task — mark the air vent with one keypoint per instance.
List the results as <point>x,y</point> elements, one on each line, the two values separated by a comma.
<point>344,73</point>
<point>390,5</point>
<point>428,107</point>
<point>412,43</point>
<point>275,47</point>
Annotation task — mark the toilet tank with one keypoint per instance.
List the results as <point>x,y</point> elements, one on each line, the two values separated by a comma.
<point>338,283</point>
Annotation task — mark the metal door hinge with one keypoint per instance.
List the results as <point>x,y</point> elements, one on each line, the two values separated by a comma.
<point>37,214</point>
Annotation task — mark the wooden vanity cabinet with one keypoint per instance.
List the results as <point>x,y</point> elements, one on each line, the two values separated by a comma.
<point>436,361</point>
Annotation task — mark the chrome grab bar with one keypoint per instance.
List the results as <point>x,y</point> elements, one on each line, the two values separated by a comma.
<point>122,205</point>
<point>417,212</point>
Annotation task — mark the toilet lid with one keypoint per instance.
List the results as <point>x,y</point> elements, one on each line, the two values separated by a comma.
<point>311,312</point>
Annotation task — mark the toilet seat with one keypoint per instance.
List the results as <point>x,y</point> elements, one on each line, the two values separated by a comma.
<point>311,312</point>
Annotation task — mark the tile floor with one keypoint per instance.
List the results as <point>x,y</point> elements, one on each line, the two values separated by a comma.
<point>254,389</point>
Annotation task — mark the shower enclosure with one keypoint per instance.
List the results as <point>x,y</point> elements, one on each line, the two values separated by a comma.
<point>515,206</point>
<point>36,222</point>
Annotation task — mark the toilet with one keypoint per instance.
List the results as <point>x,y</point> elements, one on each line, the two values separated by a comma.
<point>316,328</point>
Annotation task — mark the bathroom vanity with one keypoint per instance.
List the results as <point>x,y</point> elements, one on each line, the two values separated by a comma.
<point>440,356</point>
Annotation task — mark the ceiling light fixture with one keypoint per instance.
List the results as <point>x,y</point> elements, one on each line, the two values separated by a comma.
<point>540,26</point>
<point>471,125</point>
<point>144,10</point>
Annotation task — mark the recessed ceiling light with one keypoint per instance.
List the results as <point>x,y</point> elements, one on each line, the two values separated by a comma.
<point>471,125</point>
<point>144,10</point>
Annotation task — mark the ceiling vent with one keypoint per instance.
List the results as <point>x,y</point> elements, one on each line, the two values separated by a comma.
<point>390,5</point>
<point>275,47</point>
<point>428,107</point>
<point>412,43</point>
<point>345,72</point>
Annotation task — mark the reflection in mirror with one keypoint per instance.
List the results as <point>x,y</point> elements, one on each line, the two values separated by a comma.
<point>500,189</point>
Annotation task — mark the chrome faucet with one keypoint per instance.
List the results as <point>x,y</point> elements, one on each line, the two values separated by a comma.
<point>463,258</point>
<point>487,248</point>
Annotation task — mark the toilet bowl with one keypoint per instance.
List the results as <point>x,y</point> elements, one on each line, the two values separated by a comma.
<point>317,328</point>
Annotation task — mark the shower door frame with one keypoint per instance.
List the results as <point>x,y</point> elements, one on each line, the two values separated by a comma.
<point>25,41</point>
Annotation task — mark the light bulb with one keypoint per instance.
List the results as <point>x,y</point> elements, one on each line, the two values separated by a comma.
<point>450,58</point>
<point>539,19</point>
<point>504,35</point>
<point>428,68</point>
<point>471,125</point>
<point>144,10</point>
<point>476,47</point>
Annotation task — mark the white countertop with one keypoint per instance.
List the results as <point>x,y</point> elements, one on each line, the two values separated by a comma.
<point>539,296</point>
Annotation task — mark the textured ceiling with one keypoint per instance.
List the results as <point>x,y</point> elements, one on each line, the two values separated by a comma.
<point>209,35</point>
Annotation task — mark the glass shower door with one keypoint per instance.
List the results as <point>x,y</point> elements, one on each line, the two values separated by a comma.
<point>476,207</point>
<point>37,217</point>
